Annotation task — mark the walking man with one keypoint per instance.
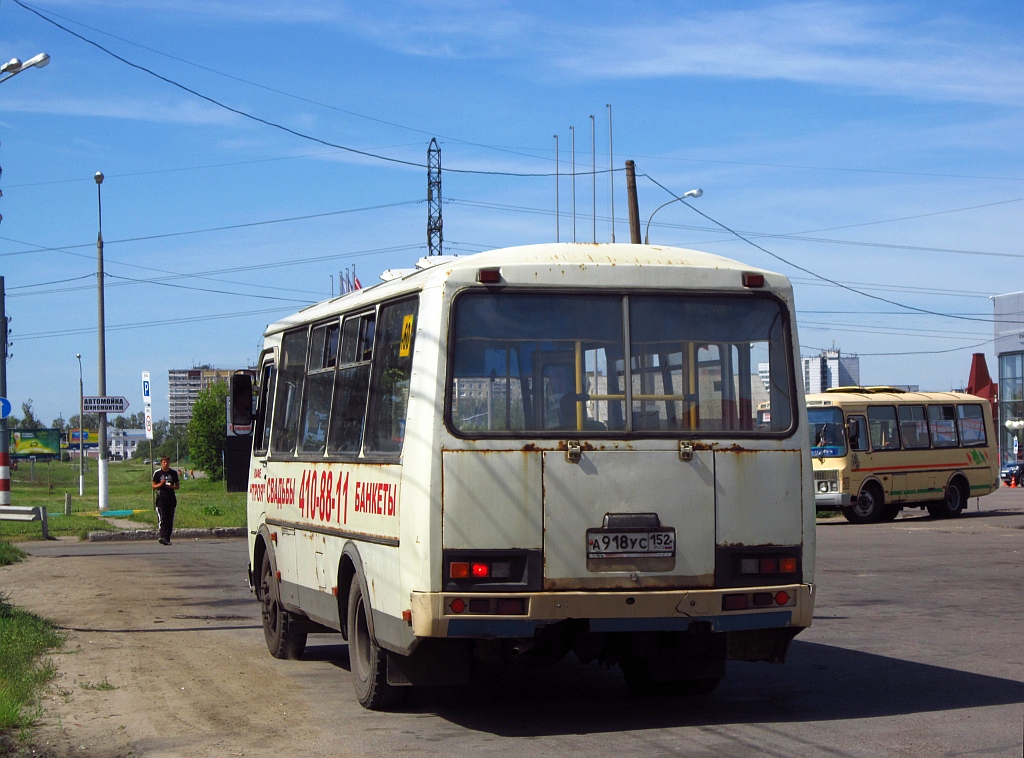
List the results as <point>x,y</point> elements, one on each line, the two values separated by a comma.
<point>165,482</point>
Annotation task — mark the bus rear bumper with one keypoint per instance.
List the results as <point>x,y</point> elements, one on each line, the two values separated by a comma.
<point>433,614</point>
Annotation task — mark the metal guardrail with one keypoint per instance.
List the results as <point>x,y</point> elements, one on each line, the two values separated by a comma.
<point>23,513</point>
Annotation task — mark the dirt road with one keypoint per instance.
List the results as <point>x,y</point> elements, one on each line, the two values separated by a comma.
<point>915,651</point>
<point>159,661</point>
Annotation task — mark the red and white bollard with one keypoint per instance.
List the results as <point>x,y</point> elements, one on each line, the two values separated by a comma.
<point>5,479</point>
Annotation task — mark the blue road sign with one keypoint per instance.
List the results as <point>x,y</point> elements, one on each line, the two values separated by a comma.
<point>5,407</point>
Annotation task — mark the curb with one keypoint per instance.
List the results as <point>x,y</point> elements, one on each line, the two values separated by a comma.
<point>217,532</point>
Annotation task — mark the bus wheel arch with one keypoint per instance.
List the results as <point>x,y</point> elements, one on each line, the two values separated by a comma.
<point>282,629</point>
<point>368,661</point>
<point>869,506</point>
<point>954,499</point>
<point>348,568</point>
<point>258,551</point>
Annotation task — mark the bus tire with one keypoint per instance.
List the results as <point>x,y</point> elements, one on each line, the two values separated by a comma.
<point>954,502</point>
<point>280,627</point>
<point>368,663</point>
<point>890,512</point>
<point>869,506</point>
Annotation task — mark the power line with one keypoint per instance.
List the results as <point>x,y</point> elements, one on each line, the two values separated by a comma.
<point>814,273</point>
<point>145,324</point>
<point>246,268</point>
<point>833,168</point>
<point>274,124</point>
<point>499,148</point>
<point>162,283</point>
<point>797,236</point>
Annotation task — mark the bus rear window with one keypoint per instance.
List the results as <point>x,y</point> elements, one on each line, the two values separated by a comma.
<point>557,363</point>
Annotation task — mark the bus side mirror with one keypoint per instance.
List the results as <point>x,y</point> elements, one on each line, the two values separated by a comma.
<point>240,398</point>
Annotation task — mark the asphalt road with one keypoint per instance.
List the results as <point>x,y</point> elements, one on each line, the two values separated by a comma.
<point>917,649</point>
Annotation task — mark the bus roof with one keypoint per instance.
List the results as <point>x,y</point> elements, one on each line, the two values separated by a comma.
<point>884,396</point>
<point>545,265</point>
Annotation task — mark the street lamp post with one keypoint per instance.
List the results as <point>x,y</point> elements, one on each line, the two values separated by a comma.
<point>102,458</point>
<point>689,193</point>
<point>13,67</point>
<point>81,428</point>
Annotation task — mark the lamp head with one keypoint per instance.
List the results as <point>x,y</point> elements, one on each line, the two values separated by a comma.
<point>694,193</point>
<point>99,177</point>
<point>37,60</point>
<point>78,355</point>
<point>12,66</point>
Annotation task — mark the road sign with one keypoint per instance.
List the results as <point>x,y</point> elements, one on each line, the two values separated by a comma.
<point>5,407</point>
<point>146,397</point>
<point>149,422</point>
<point>105,404</point>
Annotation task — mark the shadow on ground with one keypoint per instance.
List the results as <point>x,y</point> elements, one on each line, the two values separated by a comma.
<point>818,683</point>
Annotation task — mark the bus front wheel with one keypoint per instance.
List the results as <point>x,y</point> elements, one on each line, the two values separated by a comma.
<point>868,508</point>
<point>368,663</point>
<point>280,627</point>
<point>953,504</point>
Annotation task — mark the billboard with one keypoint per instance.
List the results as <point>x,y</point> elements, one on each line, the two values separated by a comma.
<point>74,438</point>
<point>35,442</point>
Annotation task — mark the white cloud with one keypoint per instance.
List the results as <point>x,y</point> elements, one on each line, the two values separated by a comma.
<point>822,43</point>
<point>160,111</point>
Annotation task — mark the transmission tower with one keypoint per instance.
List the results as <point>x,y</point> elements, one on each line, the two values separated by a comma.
<point>435,224</point>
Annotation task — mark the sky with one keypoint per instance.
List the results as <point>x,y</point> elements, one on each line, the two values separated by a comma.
<point>871,151</point>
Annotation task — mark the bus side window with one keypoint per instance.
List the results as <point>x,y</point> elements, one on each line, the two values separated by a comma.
<point>323,352</point>
<point>288,393</point>
<point>883,428</point>
<point>913,427</point>
<point>392,369</point>
<point>857,426</point>
<point>942,422</point>
<point>972,425</point>
<point>351,384</point>
<point>264,412</point>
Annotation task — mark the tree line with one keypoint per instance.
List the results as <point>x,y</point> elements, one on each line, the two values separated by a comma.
<point>201,442</point>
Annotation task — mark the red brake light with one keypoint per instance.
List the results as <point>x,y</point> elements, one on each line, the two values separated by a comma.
<point>458,605</point>
<point>734,602</point>
<point>489,276</point>
<point>753,280</point>
<point>458,570</point>
<point>511,606</point>
<point>481,570</point>
<point>787,565</point>
<point>769,565</point>
<point>781,597</point>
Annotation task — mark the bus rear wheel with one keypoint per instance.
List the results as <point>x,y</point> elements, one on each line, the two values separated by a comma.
<point>868,508</point>
<point>953,504</point>
<point>280,627</point>
<point>368,663</point>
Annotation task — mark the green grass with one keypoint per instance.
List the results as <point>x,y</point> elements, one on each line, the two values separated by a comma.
<point>10,554</point>
<point>201,503</point>
<point>24,638</point>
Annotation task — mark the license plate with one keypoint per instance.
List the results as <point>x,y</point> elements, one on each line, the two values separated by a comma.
<point>659,543</point>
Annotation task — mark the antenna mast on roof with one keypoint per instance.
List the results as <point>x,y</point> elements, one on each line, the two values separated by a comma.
<point>435,223</point>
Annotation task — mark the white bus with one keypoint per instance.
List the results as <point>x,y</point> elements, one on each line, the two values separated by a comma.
<point>531,451</point>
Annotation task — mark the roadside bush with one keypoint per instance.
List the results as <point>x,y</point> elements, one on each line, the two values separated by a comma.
<point>24,637</point>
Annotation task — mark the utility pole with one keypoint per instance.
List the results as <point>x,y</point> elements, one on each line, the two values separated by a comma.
<point>435,224</point>
<point>558,217</point>
<point>631,201</point>
<point>5,450</point>
<point>102,460</point>
<point>611,167</point>
<point>593,181</point>
<point>572,131</point>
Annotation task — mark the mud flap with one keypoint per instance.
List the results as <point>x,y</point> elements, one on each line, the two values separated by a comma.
<point>770,645</point>
<point>434,662</point>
